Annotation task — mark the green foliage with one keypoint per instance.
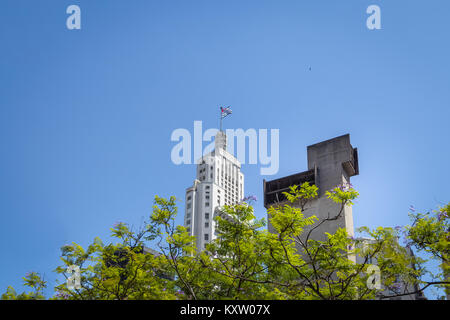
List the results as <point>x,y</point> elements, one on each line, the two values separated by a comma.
<point>343,194</point>
<point>430,234</point>
<point>32,280</point>
<point>245,260</point>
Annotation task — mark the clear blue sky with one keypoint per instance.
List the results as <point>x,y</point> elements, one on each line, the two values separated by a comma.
<point>86,116</point>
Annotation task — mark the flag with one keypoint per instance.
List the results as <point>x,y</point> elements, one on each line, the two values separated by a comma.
<point>224,112</point>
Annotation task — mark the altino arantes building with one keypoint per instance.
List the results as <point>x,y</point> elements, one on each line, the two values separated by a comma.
<point>218,182</point>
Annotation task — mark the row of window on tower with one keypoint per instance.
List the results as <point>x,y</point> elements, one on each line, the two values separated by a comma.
<point>189,210</point>
<point>202,172</point>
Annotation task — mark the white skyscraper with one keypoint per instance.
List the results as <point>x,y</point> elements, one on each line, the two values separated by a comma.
<point>218,182</point>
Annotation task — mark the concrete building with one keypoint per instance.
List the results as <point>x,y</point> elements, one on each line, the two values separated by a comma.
<point>331,163</point>
<point>218,182</point>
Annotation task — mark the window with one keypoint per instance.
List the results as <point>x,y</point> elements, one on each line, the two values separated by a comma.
<point>206,224</point>
<point>188,222</point>
<point>207,216</point>
<point>206,204</point>
<point>206,237</point>
<point>189,198</point>
<point>207,187</point>
<point>189,205</point>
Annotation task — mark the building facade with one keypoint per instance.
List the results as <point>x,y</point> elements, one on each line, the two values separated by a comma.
<point>218,182</point>
<point>331,163</point>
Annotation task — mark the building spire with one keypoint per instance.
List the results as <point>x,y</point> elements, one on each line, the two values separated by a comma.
<point>220,141</point>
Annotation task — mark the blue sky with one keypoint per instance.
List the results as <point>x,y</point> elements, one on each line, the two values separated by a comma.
<point>86,115</point>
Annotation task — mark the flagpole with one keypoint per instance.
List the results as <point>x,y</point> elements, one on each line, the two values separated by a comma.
<point>221,120</point>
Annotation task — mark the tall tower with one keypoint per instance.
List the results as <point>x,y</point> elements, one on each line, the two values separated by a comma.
<point>218,182</point>
<point>330,163</point>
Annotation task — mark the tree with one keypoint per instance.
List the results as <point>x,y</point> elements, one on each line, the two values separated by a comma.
<point>33,280</point>
<point>429,234</point>
<point>246,261</point>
